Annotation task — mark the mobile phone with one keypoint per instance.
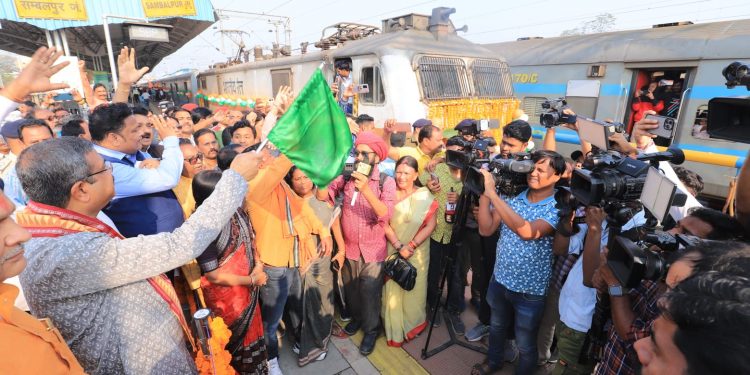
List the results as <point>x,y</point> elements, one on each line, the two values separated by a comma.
<point>363,168</point>
<point>361,89</point>
<point>667,126</point>
<point>402,127</point>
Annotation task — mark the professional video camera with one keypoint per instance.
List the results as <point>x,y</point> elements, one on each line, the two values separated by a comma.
<point>729,117</point>
<point>607,176</point>
<point>646,259</point>
<point>553,114</point>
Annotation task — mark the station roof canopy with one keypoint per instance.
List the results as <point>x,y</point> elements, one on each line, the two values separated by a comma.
<point>26,25</point>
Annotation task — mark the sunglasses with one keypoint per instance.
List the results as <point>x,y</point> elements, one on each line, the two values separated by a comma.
<point>194,159</point>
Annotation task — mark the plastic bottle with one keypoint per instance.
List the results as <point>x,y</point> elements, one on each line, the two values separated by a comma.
<point>450,211</point>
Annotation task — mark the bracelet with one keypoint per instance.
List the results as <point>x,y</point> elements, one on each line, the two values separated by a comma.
<point>399,247</point>
<point>412,245</point>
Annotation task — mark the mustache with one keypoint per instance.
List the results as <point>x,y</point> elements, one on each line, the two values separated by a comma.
<point>11,253</point>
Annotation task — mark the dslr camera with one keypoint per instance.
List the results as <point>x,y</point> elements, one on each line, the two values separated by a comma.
<point>553,113</point>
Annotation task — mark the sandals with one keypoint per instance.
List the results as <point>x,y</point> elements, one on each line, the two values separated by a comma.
<point>337,331</point>
<point>484,368</point>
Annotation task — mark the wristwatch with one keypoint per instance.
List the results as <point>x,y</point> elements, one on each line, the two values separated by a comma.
<point>617,291</point>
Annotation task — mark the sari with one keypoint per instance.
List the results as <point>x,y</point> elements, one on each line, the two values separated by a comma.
<point>404,312</point>
<point>232,252</point>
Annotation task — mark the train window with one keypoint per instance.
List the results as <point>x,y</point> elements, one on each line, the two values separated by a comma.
<point>443,77</point>
<point>185,85</point>
<point>203,84</point>
<point>700,125</point>
<point>371,77</point>
<point>280,77</point>
<point>532,106</point>
<point>491,79</point>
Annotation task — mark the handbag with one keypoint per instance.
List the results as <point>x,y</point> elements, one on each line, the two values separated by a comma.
<point>401,271</point>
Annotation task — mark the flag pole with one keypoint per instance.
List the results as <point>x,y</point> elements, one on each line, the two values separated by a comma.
<point>262,144</point>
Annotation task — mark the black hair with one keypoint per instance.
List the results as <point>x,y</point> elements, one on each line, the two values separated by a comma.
<point>722,256</point>
<point>363,118</point>
<point>200,113</point>
<point>711,307</point>
<point>426,132</point>
<point>689,178</point>
<point>344,65</point>
<point>97,85</point>
<point>202,132</point>
<point>60,109</point>
<point>518,129</point>
<point>288,177</point>
<point>556,161</point>
<point>242,124</point>
<point>184,142</point>
<point>723,226</point>
<point>72,128</point>
<point>491,141</point>
<point>108,118</point>
<point>29,103</point>
<point>33,124</point>
<point>575,155</point>
<point>203,185</point>
<point>225,157</point>
<point>140,110</point>
<point>410,161</point>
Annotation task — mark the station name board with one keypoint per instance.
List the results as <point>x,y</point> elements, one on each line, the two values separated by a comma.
<point>52,9</point>
<point>168,8</point>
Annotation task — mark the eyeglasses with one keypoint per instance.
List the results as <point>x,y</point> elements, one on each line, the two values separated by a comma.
<point>107,167</point>
<point>194,159</point>
<point>364,154</point>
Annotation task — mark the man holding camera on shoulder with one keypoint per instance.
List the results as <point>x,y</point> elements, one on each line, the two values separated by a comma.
<point>517,292</point>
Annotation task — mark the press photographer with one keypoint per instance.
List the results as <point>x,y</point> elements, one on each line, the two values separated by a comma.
<point>633,311</point>
<point>524,258</point>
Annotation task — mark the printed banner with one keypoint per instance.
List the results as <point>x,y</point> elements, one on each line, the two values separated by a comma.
<point>52,9</point>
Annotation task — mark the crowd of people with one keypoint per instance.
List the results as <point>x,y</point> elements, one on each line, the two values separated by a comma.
<point>118,222</point>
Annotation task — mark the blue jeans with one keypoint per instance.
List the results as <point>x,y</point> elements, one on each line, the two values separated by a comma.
<point>528,310</point>
<point>283,286</point>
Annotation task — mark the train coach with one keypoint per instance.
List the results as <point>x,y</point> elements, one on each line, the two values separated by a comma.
<point>603,75</point>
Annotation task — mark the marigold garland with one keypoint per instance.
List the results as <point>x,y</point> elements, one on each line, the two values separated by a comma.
<point>220,335</point>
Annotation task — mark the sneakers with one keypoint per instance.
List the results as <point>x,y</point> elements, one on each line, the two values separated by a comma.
<point>510,354</point>
<point>456,323</point>
<point>477,333</point>
<point>352,328</point>
<point>368,343</point>
<point>295,348</point>
<point>273,367</point>
<point>345,316</point>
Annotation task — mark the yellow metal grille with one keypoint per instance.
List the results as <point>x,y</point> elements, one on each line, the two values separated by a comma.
<point>448,113</point>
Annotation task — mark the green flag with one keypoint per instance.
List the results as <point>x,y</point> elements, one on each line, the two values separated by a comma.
<point>314,133</point>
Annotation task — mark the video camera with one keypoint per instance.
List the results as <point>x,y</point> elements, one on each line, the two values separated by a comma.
<point>553,114</point>
<point>729,117</point>
<point>510,174</point>
<point>647,259</point>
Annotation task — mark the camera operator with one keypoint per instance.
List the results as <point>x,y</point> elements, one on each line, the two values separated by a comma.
<point>708,307</point>
<point>524,259</point>
<point>516,136</point>
<point>633,311</point>
<point>447,186</point>
<point>702,328</point>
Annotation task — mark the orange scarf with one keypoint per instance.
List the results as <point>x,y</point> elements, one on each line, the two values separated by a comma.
<point>48,221</point>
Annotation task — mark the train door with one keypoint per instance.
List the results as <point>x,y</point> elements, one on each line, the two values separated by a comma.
<point>661,90</point>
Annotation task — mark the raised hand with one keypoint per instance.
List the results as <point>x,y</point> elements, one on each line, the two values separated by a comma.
<point>161,126</point>
<point>35,76</point>
<point>126,67</point>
